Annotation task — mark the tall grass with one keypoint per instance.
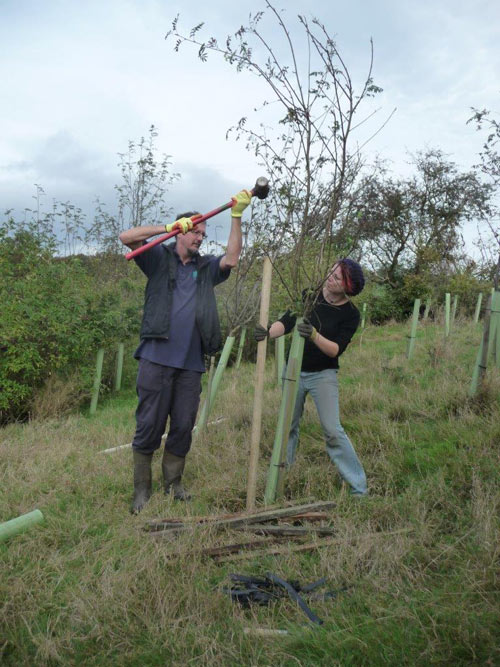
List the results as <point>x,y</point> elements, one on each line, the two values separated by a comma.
<point>91,587</point>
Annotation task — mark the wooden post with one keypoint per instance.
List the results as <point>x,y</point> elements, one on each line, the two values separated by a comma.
<point>19,524</point>
<point>279,351</point>
<point>274,484</point>
<point>454,308</point>
<point>413,329</point>
<point>119,367</point>
<point>97,381</point>
<point>427,308</point>
<point>240,346</point>
<point>363,316</point>
<point>259,385</point>
<point>447,315</point>
<point>478,307</point>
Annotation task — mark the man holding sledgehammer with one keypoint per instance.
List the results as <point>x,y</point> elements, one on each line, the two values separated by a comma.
<point>180,324</point>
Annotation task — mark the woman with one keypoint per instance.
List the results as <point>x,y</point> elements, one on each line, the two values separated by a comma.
<point>328,331</point>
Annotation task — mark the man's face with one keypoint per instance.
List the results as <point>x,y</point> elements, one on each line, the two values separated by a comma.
<point>192,241</point>
<point>335,281</point>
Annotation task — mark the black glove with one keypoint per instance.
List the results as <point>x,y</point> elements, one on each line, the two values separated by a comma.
<point>260,333</point>
<point>306,330</point>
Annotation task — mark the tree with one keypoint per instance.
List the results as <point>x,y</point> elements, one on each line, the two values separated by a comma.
<point>414,224</point>
<point>141,194</point>
<point>308,152</point>
<point>489,168</point>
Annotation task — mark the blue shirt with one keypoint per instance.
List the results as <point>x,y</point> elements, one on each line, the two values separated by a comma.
<point>183,348</point>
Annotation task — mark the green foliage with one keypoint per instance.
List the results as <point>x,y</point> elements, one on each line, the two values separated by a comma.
<point>381,303</point>
<point>56,314</point>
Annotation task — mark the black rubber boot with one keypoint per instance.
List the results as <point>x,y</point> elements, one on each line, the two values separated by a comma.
<point>173,467</point>
<point>142,481</point>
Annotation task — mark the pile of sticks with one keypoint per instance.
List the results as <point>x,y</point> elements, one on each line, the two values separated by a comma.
<point>276,526</point>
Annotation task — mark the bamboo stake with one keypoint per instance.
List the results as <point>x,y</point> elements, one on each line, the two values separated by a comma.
<point>97,381</point>
<point>240,347</point>
<point>478,307</point>
<point>119,367</point>
<point>447,315</point>
<point>413,329</point>
<point>19,524</point>
<point>259,385</point>
<point>290,389</point>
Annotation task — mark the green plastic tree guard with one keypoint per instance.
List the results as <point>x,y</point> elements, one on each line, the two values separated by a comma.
<point>482,355</point>
<point>243,336</point>
<point>279,351</point>
<point>413,329</point>
<point>221,367</point>
<point>427,308</point>
<point>20,524</point>
<point>454,308</point>
<point>494,324</point>
<point>478,307</point>
<point>202,421</point>
<point>97,381</point>
<point>363,316</point>
<point>447,315</point>
<point>119,367</point>
<point>285,414</point>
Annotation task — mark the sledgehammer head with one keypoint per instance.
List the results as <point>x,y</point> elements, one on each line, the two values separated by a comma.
<point>261,188</point>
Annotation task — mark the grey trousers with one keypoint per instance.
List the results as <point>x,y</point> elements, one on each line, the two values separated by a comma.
<point>165,392</point>
<point>324,390</point>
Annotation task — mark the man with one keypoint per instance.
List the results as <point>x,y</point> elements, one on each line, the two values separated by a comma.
<point>180,324</point>
<point>328,331</point>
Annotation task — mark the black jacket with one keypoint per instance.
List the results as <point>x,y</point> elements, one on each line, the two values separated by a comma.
<point>158,301</point>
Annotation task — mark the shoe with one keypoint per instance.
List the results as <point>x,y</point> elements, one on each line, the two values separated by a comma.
<point>173,468</point>
<point>142,480</point>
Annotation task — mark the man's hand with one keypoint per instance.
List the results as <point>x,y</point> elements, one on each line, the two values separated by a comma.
<point>306,330</point>
<point>241,201</point>
<point>260,333</point>
<point>184,225</point>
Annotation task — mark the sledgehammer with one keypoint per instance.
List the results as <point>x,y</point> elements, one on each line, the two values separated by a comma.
<point>260,190</point>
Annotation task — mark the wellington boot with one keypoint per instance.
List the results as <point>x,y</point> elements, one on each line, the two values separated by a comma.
<point>142,481</point>
<point>173,467</point>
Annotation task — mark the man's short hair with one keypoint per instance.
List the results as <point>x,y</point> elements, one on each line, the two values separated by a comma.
<point>187,214</point>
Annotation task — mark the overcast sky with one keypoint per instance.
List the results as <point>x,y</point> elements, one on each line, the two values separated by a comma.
<point>82,78</point>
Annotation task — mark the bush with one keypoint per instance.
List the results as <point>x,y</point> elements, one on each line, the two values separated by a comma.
<point>56,314</point>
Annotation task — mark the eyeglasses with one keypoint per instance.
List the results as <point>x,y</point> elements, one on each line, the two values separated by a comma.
<point>199,234</point>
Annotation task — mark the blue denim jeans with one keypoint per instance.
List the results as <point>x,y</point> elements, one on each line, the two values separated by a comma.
<point>324,390</point>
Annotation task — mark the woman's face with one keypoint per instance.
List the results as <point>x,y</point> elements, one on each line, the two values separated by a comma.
<point>335,280</point>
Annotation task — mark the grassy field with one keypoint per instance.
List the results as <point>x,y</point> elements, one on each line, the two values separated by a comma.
<point>420,555</point>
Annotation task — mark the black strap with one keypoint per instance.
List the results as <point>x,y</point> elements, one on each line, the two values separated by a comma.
<point>295,596</point>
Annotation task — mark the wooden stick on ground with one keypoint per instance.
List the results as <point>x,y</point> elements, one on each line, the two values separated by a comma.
<point>308,546</point>
<point>242,519</point>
